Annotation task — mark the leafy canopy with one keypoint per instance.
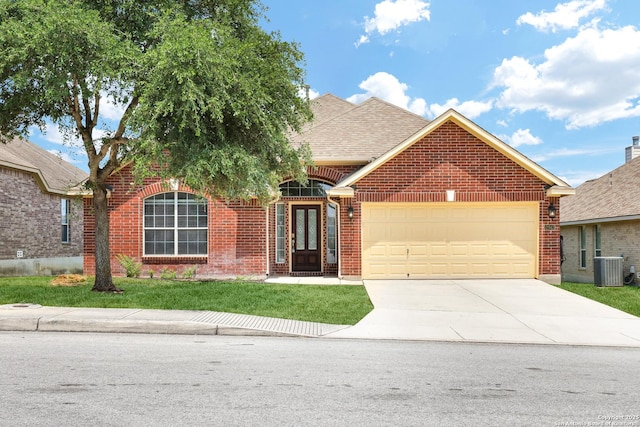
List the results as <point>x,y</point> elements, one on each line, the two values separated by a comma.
<point>202,90</point>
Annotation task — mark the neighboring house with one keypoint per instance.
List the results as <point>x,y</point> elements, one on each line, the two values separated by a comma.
<point>603,219</point>
<point>41,227</point>
<point>391,195</point>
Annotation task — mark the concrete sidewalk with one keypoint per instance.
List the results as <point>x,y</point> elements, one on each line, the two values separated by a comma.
<point>32,317</point>
<point>504,311</point>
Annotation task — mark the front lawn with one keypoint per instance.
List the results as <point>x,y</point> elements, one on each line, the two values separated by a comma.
<point>341,305</point>
<point>626,298</point>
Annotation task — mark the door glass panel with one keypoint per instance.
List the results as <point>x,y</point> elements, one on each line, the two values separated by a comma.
<point>300,235</point>
<point>313,232</point>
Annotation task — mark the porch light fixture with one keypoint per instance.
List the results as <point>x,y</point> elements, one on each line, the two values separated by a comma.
<point>350,212</point>
<point>551,210</point>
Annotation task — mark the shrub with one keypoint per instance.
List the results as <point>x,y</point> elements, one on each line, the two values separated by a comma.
<point>189,272</point>
<point>131,267</point>
<point>167,273</point>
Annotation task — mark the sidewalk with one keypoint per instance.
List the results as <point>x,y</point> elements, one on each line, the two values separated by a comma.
<point>33,317</point>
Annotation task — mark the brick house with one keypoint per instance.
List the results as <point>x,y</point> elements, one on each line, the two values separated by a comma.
<point>390,195</point>
<point>41,231</point>
<point>603,219</point>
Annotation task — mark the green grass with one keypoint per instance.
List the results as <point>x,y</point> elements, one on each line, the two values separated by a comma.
<point>342,305</point>
<point>626,298</point>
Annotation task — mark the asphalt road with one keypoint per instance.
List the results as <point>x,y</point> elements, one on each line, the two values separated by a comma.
<point>82,379</point>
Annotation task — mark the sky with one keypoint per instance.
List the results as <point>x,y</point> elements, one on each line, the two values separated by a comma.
<point>558,81</point>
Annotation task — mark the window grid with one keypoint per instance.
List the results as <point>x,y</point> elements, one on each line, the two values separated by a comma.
<point>314,188</point>
<point>175,224</point>
<point>280,234</point>
<point>597,239</point>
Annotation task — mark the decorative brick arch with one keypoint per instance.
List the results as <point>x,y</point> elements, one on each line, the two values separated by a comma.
<point>324,173</point>
<point>162,187</point>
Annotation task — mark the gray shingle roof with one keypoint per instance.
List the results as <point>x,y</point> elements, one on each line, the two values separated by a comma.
<point>344,132</point>
<point>55,175</point>
<point>613,195</point>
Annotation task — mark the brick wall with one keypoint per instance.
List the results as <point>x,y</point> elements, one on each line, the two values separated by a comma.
<point>617,238</point>
<point>31,220</point>
<point>236,237</point>
<point>451,158</point>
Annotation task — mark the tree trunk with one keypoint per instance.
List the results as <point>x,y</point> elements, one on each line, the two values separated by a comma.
<point>104,280</point>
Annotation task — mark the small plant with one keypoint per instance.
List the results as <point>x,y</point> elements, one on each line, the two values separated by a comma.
<point>189,272</point>
<point>168,273</point>
<point>131,267</point>
<point>150,274</point>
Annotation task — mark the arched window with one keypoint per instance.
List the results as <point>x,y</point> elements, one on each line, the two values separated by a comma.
<point>175,223</point>
<point>314,188</point>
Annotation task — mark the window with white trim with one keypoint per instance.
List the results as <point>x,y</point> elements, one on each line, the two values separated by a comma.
<point>583,246</point>
<point>175,223</point>
<point>332,234</point>
<point>65,213</point>
<point>597,240</point>
<point>280,234</point>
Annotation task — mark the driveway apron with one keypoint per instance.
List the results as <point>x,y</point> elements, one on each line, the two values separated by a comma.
<point>507,310</point>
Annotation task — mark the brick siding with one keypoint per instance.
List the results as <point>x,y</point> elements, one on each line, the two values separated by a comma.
<point>450,158</point>
<point>31,220</point>
<point>616,239</point>
<point>236,237</point>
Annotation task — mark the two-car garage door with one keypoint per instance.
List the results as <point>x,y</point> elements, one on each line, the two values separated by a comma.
<point>449,240</point>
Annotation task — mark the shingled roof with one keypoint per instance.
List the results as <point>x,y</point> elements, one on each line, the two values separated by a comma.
<point>343,132</point>
<point>53,174</point>
<point>614,196</point>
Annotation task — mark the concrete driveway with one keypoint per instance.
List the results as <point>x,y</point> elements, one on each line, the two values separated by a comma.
<point>515,311</point>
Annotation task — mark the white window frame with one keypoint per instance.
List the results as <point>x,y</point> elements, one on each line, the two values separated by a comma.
<point>176,228</point>
<point>65,214</point>
<point>332,233</point>
<point>583,247</point>
<point>597,240</point>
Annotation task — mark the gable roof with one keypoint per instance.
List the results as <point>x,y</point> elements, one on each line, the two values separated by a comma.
<point>345,133</point>
<point>557,187</point>
<point>53,174</point>
<point>615,196</point>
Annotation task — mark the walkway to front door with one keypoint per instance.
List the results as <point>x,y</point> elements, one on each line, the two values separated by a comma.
<point>306,241</point>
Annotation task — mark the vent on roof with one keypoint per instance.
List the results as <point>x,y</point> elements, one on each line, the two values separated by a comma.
<point>632,152</point>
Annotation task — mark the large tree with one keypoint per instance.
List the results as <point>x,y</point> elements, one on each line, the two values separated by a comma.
<point>206,95</point>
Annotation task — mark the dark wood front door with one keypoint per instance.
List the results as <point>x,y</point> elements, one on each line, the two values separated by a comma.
<point>306,241</point>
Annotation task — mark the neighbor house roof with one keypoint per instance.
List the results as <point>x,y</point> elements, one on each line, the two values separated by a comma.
<point>557,186</point>
<point>53,174</point>
<point>345,133</point>
<point>614,196</point>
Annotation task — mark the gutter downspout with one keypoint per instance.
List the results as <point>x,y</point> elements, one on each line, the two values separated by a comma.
<point>338,237</point>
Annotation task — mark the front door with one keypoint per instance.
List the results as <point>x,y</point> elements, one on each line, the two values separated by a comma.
<point>306,240</point>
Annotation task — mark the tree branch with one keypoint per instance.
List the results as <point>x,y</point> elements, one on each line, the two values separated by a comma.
<point>122,126</point>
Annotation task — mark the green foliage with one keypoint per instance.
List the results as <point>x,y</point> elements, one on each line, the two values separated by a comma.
<point>189,272</point>
<point>130,265</point>
<point>151,273</point>
<point>168,273</point>
<point>625,298</point>
<point>208,97</point>
<point>342,305</point>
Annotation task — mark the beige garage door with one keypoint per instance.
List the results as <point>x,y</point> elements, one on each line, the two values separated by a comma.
<point>449,240</point>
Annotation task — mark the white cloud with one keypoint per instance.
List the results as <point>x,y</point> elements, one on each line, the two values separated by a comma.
<point>502,123</point>
<point>587,80</point>
<point>387,87</point>
<point>470,109</point>
<point>565,16</point>
<point>390,15</point>
<point>574,152</point>
<point>521,137</point>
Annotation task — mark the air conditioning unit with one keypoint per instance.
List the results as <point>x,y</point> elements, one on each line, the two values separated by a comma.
<point>608,271</point>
